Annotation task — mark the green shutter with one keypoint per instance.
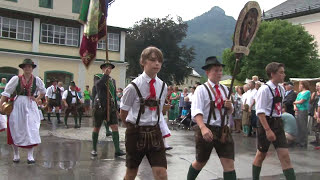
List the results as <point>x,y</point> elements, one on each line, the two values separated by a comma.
<point>46,3</point>
<point>76,5</point>
<point>12,0</point>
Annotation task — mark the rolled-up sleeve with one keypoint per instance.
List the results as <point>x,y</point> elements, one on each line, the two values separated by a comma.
<point>197,104</point>
<point>40,86</point>
<point>48,92</point>
<point>127,100</point>
<point>65,94</point>
<point>10,87</point>
<point>261,101</point>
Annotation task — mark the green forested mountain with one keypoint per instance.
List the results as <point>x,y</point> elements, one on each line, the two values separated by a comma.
<point>209,34</point>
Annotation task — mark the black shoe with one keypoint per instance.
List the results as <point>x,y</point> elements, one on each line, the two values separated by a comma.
<point>16,160</point>
<point>120,153</point>
<point>108,133</point>
<point>59,122</point>
<point>169,148</point>
<point>67,127</point>
<point>31,161</point>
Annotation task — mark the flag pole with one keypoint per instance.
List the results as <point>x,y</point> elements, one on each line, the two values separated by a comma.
<point>107,61</point>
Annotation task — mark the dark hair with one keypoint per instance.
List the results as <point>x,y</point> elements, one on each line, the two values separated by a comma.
<point>273,67</point>
<point>305,84</point>
<point>284,107</point>
<point>253,83</point>
<point>241,89</point>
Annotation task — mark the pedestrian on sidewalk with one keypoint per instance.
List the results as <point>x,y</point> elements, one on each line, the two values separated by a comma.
<point>71,102</point>
<point>87,99</point>
<point>270,127</point>
<point>301,107</point>
<point>100,109</point>
<point>208,106</point>
<point>24,120</point>
<point>141,110</point>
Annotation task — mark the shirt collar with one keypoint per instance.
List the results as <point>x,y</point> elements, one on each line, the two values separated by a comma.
<point>270,83</point>
<point>212,84</point>
<point>147,78</point>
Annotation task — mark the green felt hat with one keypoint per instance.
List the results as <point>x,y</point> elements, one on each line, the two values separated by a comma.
<point>27,62</point>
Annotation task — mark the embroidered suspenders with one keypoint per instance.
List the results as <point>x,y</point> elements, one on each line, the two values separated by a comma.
<point>275,99</point>
<point>150,103</point>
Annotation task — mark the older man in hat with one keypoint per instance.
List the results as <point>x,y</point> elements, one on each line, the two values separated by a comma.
<point>208,106</point>
<point>289,97</point>
<point>24,121</point>
<point>71,101</point>
<point>100,109</point>
<point>53,99</point>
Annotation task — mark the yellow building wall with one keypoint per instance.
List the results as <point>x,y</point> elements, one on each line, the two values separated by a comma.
<point>61,8</point>
<point>15,45</point>
<point>61,50</point>
<point>112,55</point>
<point>189,82</point>
<point>10,61</point>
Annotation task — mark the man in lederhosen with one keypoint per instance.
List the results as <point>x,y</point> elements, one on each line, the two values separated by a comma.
<point>141,110</point>
<point>100,109</point>
<point>53,99</point>
<point>208,105</point>
<point>269,101</point>
<point>71,101</point>
<point>94,94</point>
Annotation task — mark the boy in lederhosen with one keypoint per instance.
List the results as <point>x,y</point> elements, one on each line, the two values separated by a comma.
<point>71,101</point>
<point>270,127</point>
<point>208,105</point>
<point>141,110</point>
<point>100,109</point>
<point>53,99</point>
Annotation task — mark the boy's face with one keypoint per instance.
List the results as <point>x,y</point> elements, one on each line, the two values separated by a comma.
<point>279,75</point>
<point>152,65</point>
<point>214,73</point>
<point>107,70</point>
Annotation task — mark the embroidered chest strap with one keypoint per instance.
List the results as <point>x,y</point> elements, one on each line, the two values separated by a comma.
<point>143,103</point>
<point>274,99</point>
<point>212,106</point>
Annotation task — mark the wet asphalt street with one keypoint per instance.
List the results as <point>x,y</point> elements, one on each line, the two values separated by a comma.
<point>64,154</point>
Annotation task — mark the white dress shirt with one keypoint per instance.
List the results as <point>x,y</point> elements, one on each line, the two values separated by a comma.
<point>201,103</point>
<point>50,92</point>
<point>74,93</point>
<point>264,99</point>
<point>13,83</point>
<point>130,100</point>
<point>251,97</point>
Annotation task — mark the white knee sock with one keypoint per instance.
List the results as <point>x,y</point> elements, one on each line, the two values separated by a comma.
<point>15,152</point>
<point>165,143</point>
<point>30,154</point>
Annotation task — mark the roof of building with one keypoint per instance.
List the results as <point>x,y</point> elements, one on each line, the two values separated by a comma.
<point>292,8</point>
<point>195,73</point>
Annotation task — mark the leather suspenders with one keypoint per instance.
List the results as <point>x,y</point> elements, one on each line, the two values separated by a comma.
<point>143,103</point>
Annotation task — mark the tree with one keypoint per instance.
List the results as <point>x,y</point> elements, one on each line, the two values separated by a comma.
<point>165,34</point>
<point>278,41</point>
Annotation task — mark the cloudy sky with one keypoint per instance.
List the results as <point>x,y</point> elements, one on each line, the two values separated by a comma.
<point>124,13</point>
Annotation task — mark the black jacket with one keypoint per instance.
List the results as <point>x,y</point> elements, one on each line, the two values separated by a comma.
<point>288,101</point>
<point>101,91</point>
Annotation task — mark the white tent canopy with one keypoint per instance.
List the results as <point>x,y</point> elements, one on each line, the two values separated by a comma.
<point>304,79</point>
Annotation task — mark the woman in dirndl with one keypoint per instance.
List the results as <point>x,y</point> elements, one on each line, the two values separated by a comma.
<point>24,120</point>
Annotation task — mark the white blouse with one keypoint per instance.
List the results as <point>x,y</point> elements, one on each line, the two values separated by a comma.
<point>13,83</point>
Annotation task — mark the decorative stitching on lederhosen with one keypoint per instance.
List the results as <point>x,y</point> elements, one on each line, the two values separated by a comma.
<point>143,103</point>
<point>212,103</point>
<point>273,99</point>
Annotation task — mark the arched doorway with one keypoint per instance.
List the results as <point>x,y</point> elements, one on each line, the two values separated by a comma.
<point>63,76</point>
<point>8,72</point>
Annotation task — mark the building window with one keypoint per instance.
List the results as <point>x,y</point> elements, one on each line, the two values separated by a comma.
<point>15,29</point>
<point>113,42</point>
<point>46,3</point>
<point>76,5</point>
<point>12,0</point>
<point>61,35</point>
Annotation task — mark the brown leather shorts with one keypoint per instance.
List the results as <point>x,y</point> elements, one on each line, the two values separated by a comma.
<point>54,103</point>
<point>204,148</point>
<point>276,125</point>
<point>144,141</point>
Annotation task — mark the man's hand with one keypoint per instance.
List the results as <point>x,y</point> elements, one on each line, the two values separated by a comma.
<point>228,104</point>
<point>206,134</point>
<point>270,135</point>
<point>66,105</point>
